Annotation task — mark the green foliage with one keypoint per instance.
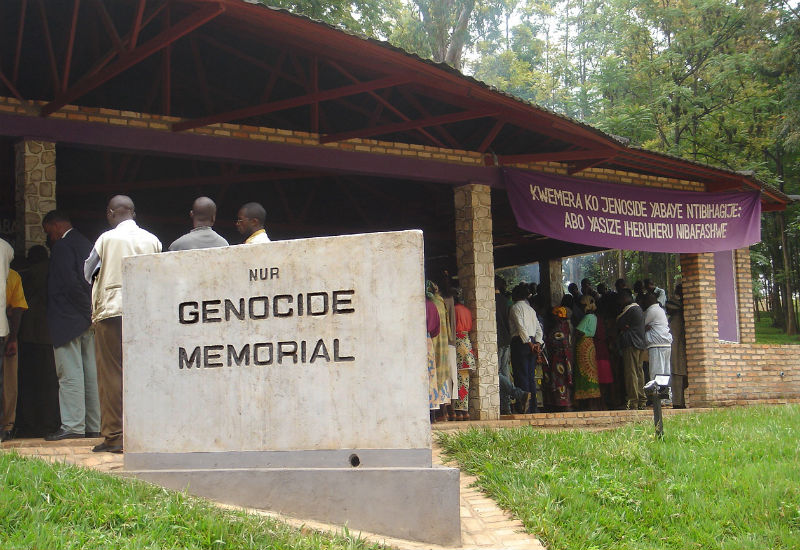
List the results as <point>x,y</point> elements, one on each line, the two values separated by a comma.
<point>768,334</point>
<point>722,479</point>
<point>46,505</point>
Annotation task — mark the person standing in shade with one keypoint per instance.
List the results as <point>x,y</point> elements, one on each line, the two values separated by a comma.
<point>250,223</point>
<point>465,356</point>
<point>630,330</point>
<point>203,214</point>
<point>37,406</point>
<point>657,336</point>
<point>6,255</point>
<point>526,341</point>
<point>104,267</point>
<point>587,380</point>
<point>677,327</point>
<point>659,293</point>
<point>15,307</point>
<point>69,318</point>
<point>559,377</point>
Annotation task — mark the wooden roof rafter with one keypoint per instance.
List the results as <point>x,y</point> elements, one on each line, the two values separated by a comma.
<point>282,105</point>
<point>133,56</point>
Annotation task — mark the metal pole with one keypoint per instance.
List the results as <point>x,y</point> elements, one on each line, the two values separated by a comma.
<point>657,413</point>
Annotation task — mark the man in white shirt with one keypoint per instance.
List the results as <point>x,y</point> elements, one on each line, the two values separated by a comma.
<point>250,223</point>
<point>657,336</point>
<point>526,341</point>
<point>104,267</point>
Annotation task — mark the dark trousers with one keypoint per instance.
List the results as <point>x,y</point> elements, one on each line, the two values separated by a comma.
<point>108,355</point>
<point>523,361</point>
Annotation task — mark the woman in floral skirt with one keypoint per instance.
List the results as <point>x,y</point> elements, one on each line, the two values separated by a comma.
<point>465,356</point>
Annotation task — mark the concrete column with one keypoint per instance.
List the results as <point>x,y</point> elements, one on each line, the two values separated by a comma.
<point>702,337</point>
<point>475,257</point>
<point>550,275</point>
<point>35,173</point>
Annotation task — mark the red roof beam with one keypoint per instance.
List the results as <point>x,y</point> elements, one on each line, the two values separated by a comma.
<point>70,44</point>
<point>294,102</point>
<point>137,25</point>
<point>410,125</point>
<point>50,53</point>
<point>283,175</point>
<point>10,87</point>
<point>582,165</point>
<point>425,113</point>
<point>383,101</point>
<point>557,156</point>
<point>669,171</point>
<point>487,141</point>
<point>125,62</point>
<point>109,25</point>
<point>20,33</point>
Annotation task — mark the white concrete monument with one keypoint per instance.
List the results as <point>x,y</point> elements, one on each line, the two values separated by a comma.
<point>289,376</point>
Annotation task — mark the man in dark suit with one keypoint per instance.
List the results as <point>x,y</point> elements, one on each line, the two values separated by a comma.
<point>69,308</point>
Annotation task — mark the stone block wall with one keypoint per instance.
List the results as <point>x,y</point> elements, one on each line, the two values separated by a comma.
<point>35,176</point>
<point>475,257</point>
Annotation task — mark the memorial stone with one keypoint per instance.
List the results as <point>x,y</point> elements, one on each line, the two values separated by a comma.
<point>289,376</point>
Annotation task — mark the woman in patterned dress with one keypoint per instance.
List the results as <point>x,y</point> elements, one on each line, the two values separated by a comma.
<point>587,384</point>
<point>465,356</point>
<point>558,377</point>
<point>440,348</point>
<point>432,328</point>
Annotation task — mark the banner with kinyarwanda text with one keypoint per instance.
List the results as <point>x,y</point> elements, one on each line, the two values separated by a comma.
<point>630,217</point>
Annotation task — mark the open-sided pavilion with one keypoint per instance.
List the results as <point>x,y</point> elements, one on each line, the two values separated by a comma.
<point>165,100</point>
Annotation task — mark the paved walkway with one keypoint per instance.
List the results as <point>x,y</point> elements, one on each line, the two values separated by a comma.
<point>483,524</point>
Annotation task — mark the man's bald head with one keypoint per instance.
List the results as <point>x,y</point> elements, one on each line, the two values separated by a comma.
<point>120,208</point>
<point>204,212</point>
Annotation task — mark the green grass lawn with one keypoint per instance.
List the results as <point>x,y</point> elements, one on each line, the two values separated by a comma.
<point>60,506</point>
<point>767,334</point>
<point>727,479</point>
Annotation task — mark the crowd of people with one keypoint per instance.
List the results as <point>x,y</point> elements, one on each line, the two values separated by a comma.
<point>451,356</point>
<point>595,350</point>
<point>64,320</point>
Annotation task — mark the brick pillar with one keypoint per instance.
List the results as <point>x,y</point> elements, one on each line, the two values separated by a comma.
<point>35,172</point>
<point>702,337</point>
<point>475,257</point>
<point>744,298</point>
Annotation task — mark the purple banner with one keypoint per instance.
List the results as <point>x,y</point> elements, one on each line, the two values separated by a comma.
<point>632,218</point>
<point>725,288</point>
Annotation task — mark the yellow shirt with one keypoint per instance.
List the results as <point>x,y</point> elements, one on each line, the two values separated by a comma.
<point>259,236</point>
<point>15,297</point>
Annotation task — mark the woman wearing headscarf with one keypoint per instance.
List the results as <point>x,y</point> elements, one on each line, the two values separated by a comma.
<point>465,356</point>
<point>587,386</point>
<point>433,329</point>
<point>440,343</point>
<point>558,377</point>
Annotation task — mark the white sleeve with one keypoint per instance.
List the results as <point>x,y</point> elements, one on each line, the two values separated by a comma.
<point>91,265</point>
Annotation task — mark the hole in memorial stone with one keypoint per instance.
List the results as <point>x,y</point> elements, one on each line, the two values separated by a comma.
<point>355,462</point>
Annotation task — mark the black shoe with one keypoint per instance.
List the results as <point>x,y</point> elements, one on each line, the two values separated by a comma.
<point>92,435</point>
<point>6,435</point>
<point>61,433</point>
<point>106,448</point>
